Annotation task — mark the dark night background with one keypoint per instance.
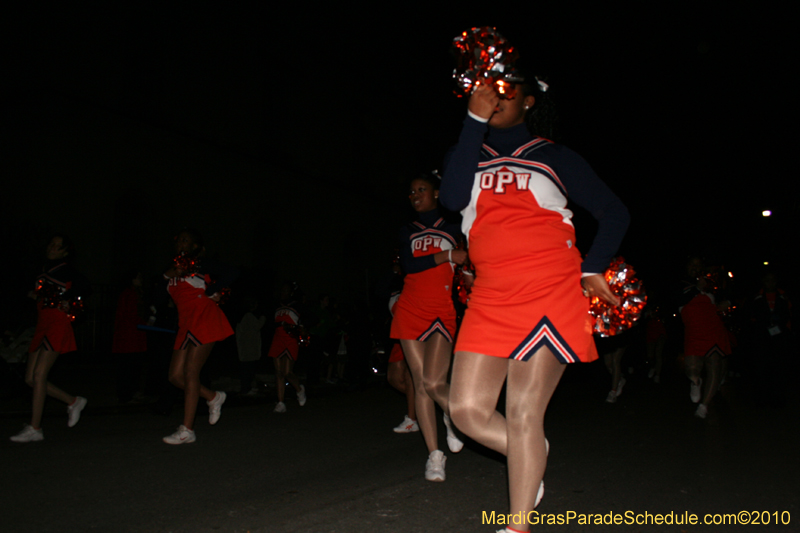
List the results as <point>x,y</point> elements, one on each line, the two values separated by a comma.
<point>288,136</point>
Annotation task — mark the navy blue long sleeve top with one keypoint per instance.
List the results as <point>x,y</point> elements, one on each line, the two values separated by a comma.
<point>582,185</point>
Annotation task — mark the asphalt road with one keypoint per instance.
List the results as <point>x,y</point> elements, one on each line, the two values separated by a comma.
<point>336,466</point>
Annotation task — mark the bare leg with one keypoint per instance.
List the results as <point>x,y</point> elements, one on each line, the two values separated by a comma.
<point>411,404</point>
<point>399,377</point>
<point>477,381</point>
<point>694,368</point>
<point>476,385</point>
<point>39,364</point>
<point>394,375</point>
<point>176,365</point>
<point>415,352</point>
<point>280,378</point>
<point>184,373</point>
<point>287,364</point>
<point>713,377</point>
<point>436,366</point>
<point>530,386</point>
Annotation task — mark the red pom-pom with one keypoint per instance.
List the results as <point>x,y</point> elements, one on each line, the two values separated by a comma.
<point>52,296</point>
<point>610,320</point>
<point>188,263</point>
<point>75,308</point>
<point>461,283</point>
<point>49,293</point>
<point>297,332</point>
<point>483,56</point>
<point>224,295</point>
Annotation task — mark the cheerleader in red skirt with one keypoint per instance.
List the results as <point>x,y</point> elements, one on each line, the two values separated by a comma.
<point>706,340</point>
<point>285,347</point>
<point>195,284</point>
<point>56,286</point>
<point>527,316</point>
<point>424,316</point>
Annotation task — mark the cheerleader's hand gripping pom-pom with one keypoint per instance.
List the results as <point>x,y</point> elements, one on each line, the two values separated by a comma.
<point>484,57</point>
<point>610,320</point>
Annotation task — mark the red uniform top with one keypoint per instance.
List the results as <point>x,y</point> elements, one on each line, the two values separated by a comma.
<point>200,320</point>
<point>283,342</point>
<point>704,331</point>
<point>425,306</point>
<point>56,286</point>
<point>184,290</point>
<point>420,239</point>
<point>512,191</point>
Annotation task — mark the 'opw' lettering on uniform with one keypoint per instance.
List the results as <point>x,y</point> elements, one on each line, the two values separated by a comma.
<point>502,179</point>
<point>423,243</point>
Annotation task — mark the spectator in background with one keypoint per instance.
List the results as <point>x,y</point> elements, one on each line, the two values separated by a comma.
<point>129,343</point>
<point>248,342</point>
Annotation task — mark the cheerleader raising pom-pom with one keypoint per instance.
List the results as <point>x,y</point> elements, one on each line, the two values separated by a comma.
<point>527,318</point>
<point>195,289</point>
<point>58,286</point>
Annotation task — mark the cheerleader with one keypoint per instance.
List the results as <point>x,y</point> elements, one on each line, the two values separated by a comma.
<point>425,319</point>
<point>706,341</point>
<point>286,346</point>
<point>527,313</point>
<point>195,284</point>
<point>56,286</point>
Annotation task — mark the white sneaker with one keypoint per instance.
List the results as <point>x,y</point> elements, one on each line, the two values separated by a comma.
<point>301,396</point>
<point>434,468</point>
<point>547,447</point>
<point>407,426</point>
<point>612,397</point>
<point>453,442</point>
<point>184,435</point>
<point>215,407</point>
<point>539,495</point>
<point>701,412</point>
<point>28,434</point>
<point>74,410</point>
<point>620,385</point>
<point>694,391</point>
<point>280,408</point>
